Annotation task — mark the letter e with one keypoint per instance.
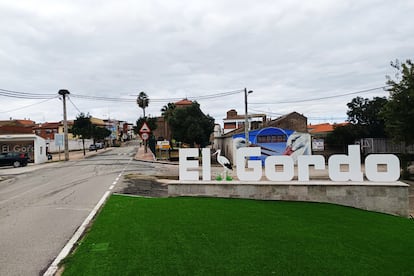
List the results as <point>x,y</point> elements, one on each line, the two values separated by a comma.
<point>185,164</point>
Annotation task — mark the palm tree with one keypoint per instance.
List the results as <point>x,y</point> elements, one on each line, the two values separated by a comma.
<point>167,110</point>
<point>167,113</point>
<point>143,101</point>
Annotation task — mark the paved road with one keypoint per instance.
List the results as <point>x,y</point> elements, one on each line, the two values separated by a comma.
<point>43,205</point>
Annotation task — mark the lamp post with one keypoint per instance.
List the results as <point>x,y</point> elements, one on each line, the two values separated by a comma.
<point>246,119</point>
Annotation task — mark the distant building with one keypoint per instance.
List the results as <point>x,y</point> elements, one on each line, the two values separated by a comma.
<point>163,131</point>
<point>16,126</point>
<point>48,130</point>
<point>322,130</point>
<point>319,132</point>
<point>183,103</point>
<point>234,121</point>
<point>294,122</point>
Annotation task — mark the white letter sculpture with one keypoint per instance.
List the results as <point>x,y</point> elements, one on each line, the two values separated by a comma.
<point>256,165</point>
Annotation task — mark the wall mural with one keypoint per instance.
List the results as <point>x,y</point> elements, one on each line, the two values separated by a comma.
<point>275,141</point>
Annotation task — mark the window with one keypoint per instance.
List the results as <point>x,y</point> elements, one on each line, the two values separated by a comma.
<point>271,139</point>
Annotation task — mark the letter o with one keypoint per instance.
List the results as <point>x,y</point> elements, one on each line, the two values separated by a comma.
<point>393,167</point>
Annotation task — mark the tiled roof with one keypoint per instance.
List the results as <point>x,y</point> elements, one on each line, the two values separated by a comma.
<point>184,102</point>
<point>325,127</point>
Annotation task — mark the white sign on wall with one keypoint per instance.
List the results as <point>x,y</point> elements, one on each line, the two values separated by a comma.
<point>189,169</point>
<point>318,145</point>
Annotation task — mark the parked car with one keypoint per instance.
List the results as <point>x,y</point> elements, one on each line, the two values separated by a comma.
<point>92,147</point>
<point>15,159</point>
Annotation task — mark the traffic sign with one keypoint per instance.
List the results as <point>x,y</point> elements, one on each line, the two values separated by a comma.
<point>145,128</point>
<point>59,139</point>
<point>144,136</point>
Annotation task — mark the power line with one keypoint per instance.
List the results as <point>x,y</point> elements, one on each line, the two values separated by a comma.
<point>159,100</point>
<point>97,98</point>
<point>310,118</point>
<point>23,107</point>
<point>74,105</point>
<point>24,95</point>
<point>327,97</point>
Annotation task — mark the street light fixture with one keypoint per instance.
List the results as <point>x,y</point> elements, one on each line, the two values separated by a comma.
<point>246,119</point>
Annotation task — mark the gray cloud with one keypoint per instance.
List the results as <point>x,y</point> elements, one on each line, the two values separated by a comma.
<point>283,50</point>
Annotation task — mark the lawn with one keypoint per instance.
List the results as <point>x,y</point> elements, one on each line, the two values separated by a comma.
<point>212,236</point>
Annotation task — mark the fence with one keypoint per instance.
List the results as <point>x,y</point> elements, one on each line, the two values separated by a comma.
<point>382,145</point>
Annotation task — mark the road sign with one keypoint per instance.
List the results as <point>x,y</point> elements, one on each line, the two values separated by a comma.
<point>59,139</point>
<point>144,136</point>
<point>145,129</point>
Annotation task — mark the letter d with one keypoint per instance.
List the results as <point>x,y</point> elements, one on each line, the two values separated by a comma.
<point>353,160</point>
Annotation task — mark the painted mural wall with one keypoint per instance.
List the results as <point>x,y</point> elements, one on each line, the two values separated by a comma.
<point>276,141</point>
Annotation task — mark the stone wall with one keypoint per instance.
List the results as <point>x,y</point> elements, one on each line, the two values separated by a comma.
<point>390,198</point>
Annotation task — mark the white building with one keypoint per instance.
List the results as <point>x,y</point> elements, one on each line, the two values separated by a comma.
<point>33,145</point>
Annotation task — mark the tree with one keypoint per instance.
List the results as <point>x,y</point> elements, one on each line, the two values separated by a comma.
<point>364,121</point>
<point>364,114</point>
<point>82,127</point>
<point>190,125</point>
<point>143,101</point>
<point>167,111</point>
<point>100,133</point>
<point>342,136</point>
<point>151,122</point>
<point>398,113</point>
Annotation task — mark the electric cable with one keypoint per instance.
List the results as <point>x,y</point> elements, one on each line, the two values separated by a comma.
<point>327,97</point>
<point>23,107</point>
<point>74,105</point>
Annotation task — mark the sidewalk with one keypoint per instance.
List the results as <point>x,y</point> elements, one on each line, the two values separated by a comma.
<point>78,154</point>
<point>142,156</point>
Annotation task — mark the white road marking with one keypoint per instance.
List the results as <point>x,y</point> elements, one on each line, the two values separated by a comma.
<point>68,247</point>
<point>65,251</point>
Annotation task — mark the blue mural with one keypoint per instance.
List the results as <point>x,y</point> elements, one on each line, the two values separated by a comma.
<point>276,141</point>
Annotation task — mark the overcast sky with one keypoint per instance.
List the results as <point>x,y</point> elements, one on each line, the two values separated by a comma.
<point>285,51</point>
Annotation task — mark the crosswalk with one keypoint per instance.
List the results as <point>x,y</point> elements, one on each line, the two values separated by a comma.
<point>126,154</point>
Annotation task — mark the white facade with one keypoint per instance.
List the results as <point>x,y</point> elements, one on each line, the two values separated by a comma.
<point>74,144</point>
<point>32,144</point>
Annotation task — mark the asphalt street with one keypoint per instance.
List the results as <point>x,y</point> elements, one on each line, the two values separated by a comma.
<point>41,206</point>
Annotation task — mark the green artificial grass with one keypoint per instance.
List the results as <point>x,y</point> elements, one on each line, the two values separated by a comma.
<point>213,236</point>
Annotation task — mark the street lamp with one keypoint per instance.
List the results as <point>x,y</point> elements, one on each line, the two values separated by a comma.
<point>246,119</point>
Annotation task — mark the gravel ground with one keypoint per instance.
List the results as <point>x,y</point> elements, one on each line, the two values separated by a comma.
<point>142,185</point>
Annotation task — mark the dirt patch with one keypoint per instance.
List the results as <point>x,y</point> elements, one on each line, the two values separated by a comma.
<point>144,185</point>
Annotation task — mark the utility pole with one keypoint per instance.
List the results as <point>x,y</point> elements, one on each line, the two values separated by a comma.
<point>63,93</point>
<point>246,117</point>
